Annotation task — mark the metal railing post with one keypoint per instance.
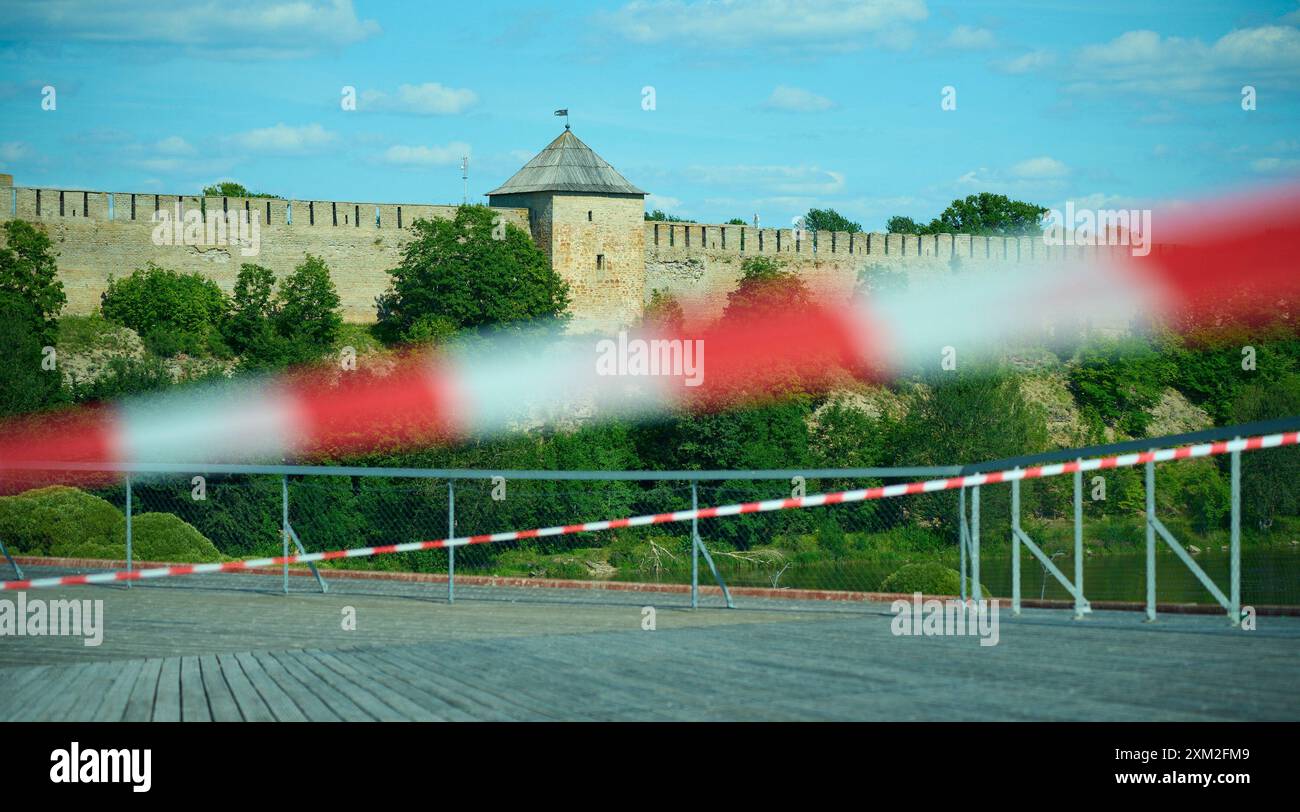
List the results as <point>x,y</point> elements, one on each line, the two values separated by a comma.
<point>1015,547</point>
<point>128,527</point>
<point>695,549</point>
<point>962,533</point>
<point>284,529</point>
<point>451,534</point>
<point>1151,541</point>
<point>1234,566</point>
<point>975,544</point>
<point>1078,545</point>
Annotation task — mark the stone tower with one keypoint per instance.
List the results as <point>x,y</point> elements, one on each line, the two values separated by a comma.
<point>591,223</point>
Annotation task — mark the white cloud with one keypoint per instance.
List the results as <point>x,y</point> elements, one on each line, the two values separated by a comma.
<point>174,145</point>
<point>772,180</point>
<point>283,139</point>
<point>672,205</point>
<point>1275,166</point>
<point>1146,62</point>
<point>429,99</point>
<point>1040,167</point>
<point>1095,201</point>
<point>1025,63</point>
<point>11,151</point>
<point>785,23</point>
<point>403,155</point>
<point>796,100</point>
<point>233,28</point>
<point>966,38</point>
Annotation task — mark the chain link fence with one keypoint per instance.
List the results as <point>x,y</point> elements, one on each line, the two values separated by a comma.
<point>855,547</point>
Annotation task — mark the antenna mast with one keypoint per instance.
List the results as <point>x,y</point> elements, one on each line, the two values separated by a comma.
<point>464,176</point>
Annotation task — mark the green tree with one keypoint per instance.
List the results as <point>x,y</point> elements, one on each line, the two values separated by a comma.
<point>664,313</point>
<point>984,214</point>
<point>474,271</point>
<point>766,287</point>
<point>735,221</point>
<point>307,314</point>
<point>229,188</point>
<point>659,216</point>
<point>28,269</point>
<point>898,224</point>
<point>829,220</point>
<point>993,215</point>
<point>172,312</point>
<point>25,384</point>
<point>252,308</point>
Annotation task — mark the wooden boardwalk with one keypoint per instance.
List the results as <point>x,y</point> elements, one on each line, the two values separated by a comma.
<point>229,648</point>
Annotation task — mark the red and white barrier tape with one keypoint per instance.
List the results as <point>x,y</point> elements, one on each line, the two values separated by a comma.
<point>839,497</point>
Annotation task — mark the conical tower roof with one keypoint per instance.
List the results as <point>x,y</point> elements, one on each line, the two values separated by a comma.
<point>567,165</point>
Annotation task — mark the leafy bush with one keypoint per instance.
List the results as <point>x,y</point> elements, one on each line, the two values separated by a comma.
<point>928,578</point>
<point>1196,490</point>
<point>69,523</point>
<point>61,521</point>
<point>663,313</point>
<point>125,376</point>
<point>430,329</point>
<point>1270,480</point>
<point>167,537</point>
<point>766,287</point>
<point>172,312</point>
<point>1120,380</point>
<point>1209,364</point>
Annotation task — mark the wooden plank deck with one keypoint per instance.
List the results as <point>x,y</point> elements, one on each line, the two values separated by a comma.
<point>234,650</point>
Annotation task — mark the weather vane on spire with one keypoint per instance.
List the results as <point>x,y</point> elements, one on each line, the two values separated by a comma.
<point>565,113</point>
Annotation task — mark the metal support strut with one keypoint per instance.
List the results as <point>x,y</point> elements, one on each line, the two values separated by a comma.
<point>697,549</point>
<point>1019,537</point>
<point>18,571</point>
<point>290,534</point>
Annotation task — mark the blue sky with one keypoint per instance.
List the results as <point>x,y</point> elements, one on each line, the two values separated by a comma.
<point>766,107</point>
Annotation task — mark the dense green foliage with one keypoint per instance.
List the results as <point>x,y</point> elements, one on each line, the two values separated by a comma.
<point>69,523</point>
<point>27,381</point>
<point>1117,381</point>
<point>829,220</point>
<point>28,270</point>
<point>229,188</point>
<point>766,287</point>
<point>473,272</point>
<point>173,312</point>
<point>659,216</point>
<point>928,578</point>
<point>663,313</point>
<point>980,214</point>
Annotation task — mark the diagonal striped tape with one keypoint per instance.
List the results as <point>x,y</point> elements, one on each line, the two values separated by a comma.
<point>816,500</point>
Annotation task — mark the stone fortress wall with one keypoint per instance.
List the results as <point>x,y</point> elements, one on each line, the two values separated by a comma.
<point>701,264</point>
<point>101,234</point>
